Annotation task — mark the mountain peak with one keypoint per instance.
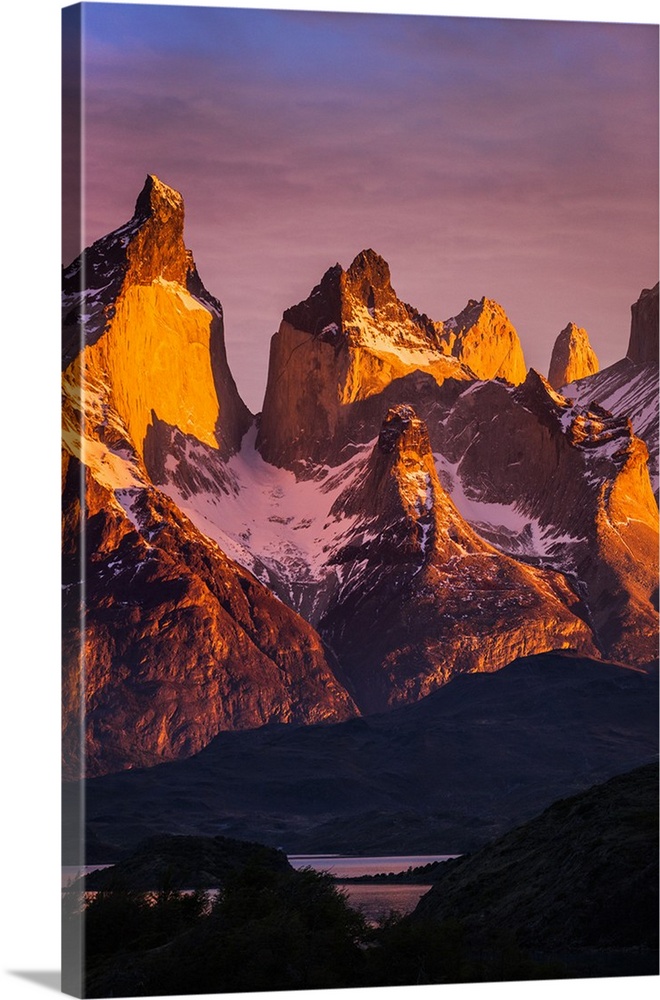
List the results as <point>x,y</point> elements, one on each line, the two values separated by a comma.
<point>572,357</point>
<point>537,395</point>
<point>156,248</point>
<point>157,199</point>
<point>399,475</point>
<point>147,248</point>
<point>159,333</point>
<point>369,265</point>
<point>402,430</point>
<point>643,344</point>
<point>483,337</point>
<point>359,307</point>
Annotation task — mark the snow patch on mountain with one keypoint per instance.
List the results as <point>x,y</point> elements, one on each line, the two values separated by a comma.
<point>127,499</point>
<point>418,491</point>
<point>506,526</point>
<point>626,389</point>
<point>100,440</point>
<point>407,343</point>
<point>276,526</point>
<point>184,296</point>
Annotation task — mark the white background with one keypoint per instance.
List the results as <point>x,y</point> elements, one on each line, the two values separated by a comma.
<point>29,571</point>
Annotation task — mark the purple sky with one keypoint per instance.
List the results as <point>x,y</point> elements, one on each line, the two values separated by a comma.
<point>513,159</point>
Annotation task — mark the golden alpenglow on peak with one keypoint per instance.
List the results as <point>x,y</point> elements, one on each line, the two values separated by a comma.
<point>155,196</point>
<point>156,248</point>
<point>152,336</point>
<point>483,338</point>
<point>157,354</point>
<point>349,340</point>
<point>572,357</point>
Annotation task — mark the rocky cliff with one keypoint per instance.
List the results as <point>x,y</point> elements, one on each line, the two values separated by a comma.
<point>346,343</point>
<point>421,596</point>
<point>563,485</point>
<point>627,389</point>
<point>166,640</point>
<point>643,343</point>
<point>349,342</point>
<point>412,495</point>
<point>483,338</point>
<point>572,357</point>
<point>177,642</point>
<point>142,334</point>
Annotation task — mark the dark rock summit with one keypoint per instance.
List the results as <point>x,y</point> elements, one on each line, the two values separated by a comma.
<point>348,342</point>
<point>330,310</point>
<point>345,344</point>
<point>643,344</point>
<point>395,424</point>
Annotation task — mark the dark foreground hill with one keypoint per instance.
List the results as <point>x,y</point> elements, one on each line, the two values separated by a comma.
<point>446,775</point>
<point>580,881</point>
<point>572,893</point>
<point>185,863</point>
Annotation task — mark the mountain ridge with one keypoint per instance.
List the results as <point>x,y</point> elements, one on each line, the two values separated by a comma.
<point>388,495</point>
<point>113,292</point>
<point>443,775</point>
<point>411,557</point>
<point>349,340</point>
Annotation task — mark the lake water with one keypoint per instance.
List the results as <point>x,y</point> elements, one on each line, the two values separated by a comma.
<point>342,866</point>
<point>378,900</point>
<point>374,901</point>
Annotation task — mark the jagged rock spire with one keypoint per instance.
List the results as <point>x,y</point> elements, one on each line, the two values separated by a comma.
<point>483,337</point>
<point>156,248</point>
<point>643,344</point>
<point>572,357</point>
<point>157,198</point>
<point>153,336</point>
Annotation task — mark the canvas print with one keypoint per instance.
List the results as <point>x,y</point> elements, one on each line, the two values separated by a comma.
<point>360,480</point>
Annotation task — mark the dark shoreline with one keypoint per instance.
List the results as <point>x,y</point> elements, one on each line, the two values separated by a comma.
<point>421,875</point>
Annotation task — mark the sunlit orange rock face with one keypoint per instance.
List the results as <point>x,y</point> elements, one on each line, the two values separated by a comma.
<point>483,338</point>
<point>423,597</point>
<point>429,507</point>
<point>580,475</point>
<point>178,641</point>
<point>350,340</point>
<point>154,336</point>
<point>572,357</point>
